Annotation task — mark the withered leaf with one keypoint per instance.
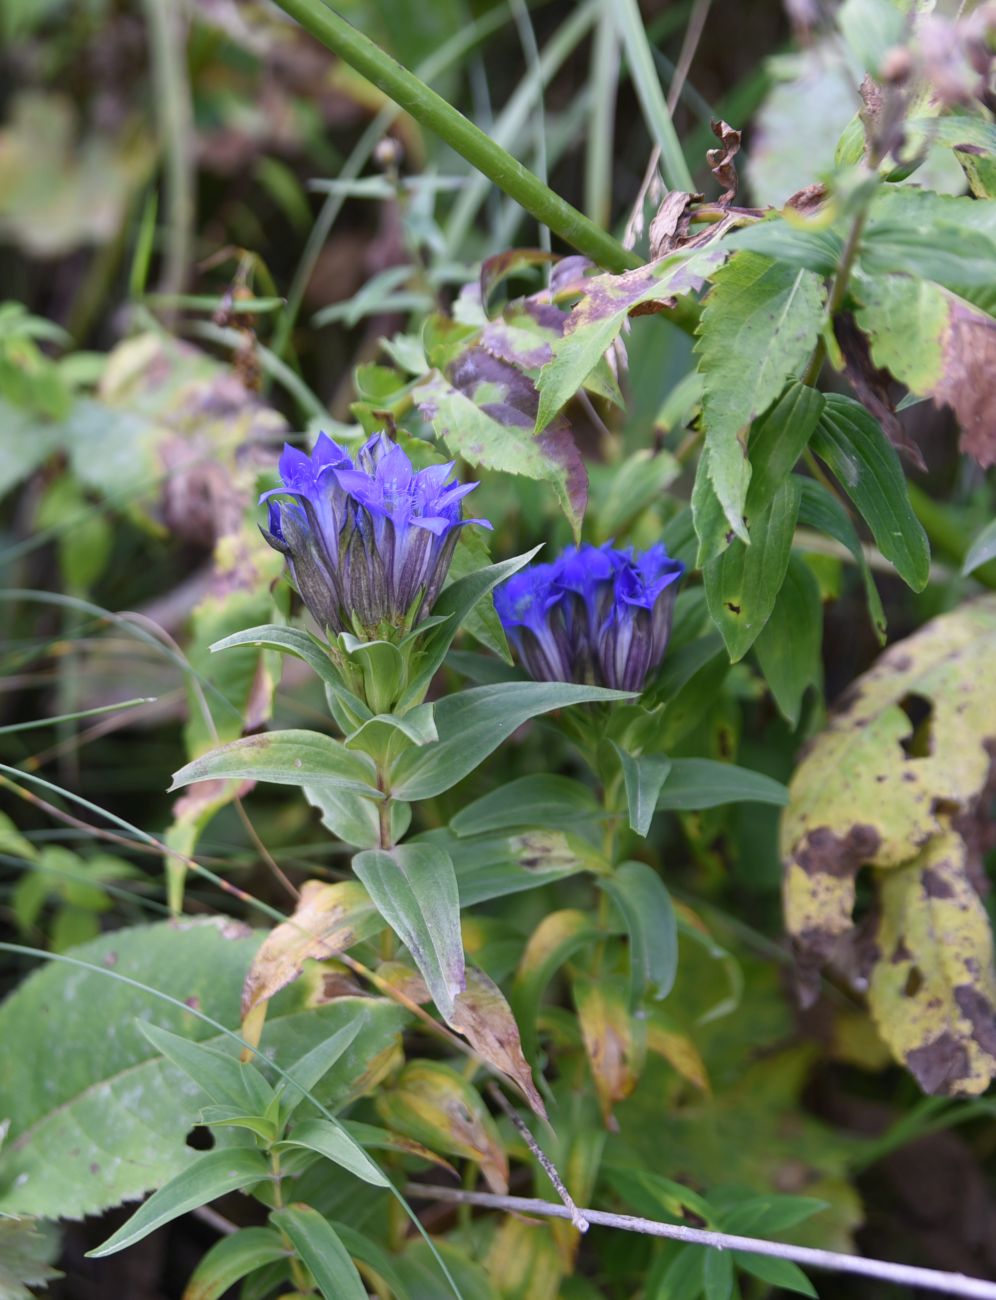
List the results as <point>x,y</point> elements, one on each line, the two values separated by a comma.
<point>485,1019</point>
<point>328,920</point>
<point>721,160</point>
<point>871,386</point>
<point>614,1040</point>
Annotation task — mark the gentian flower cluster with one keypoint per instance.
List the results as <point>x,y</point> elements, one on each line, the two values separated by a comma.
<point>368,543</point>
<point>596,615</point>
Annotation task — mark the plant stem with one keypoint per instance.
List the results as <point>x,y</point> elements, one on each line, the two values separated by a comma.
<point>838,291</point>
<point>434,113</point>
<point>929,1279</point>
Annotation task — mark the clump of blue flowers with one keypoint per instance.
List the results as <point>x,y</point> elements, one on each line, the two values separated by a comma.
<point>596,615</point>
<point>369,542</point>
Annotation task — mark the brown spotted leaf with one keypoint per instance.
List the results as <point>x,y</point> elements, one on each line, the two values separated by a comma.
<point>328,920</point>
<point>904,768</point>
<point>436,1106</point>
<point>485,1019</point>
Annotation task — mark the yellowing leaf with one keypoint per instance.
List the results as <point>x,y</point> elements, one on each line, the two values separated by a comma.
<point>614,1040</point>
<point>525,1261</point>
<point>896,782</point>
<point>436,1106</point>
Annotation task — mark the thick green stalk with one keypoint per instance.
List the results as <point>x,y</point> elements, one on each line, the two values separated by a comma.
<point>436,115</point>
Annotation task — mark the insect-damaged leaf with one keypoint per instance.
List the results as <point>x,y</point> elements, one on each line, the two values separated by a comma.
<point>485,1019</point>
<point>436,1106</point>
<point>328,920</point>
<point>899,781</point>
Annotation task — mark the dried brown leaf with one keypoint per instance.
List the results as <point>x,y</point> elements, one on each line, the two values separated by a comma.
<point>485,1019</point>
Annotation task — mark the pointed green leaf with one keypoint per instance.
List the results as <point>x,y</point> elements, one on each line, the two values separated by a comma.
<point>302,1076</point>
<point>643,777</point>
<point>287,758</point>
<point>777,441</point>
<point>454,604</point>
<point>717,1275</point>
<point>982,550</point>
<point>473,723</point>
<point>334,1143</point>
<point>212,1175</point>
<point>820,509</point>
<point>321,1251</point>
<point>231,1259</point>
<point>780,1273</point>
<point>852,444</point>
<point>788,648</point>
<point>743,583</point>
<point>226,1080</point>
<point>639,893</point>
<point>697,783</point>
<point>758,327</point>
<point>542,800</point>
<point>414,887</point>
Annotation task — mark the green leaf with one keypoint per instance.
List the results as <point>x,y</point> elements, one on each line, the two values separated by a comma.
<point>354,819</point>
<point>758,327</point>
<point>321,1251</point>
<point>334,1143</point>
<point>302,1076</point>
<point>27,1249</point>
<point>471,555</point>
<point>814,250</point>
<point>760,1215</point>
<point>781,1273</point>
<point>631,487</point>
<point>415,889</point>
<point>982,550</point>
<point>472,724</point>
<point>287,758</point>
<point>104,1089</point>
<point>454,604</point>
<point>227,1081</point>
<point>643,777</point>
<point>788,649</point>
<point>542,800</point>
<point>491,866</point>
<point>212,1174</point>
<point>819,508</point>
<point>865,463</point>
<point>777,441</point>
<point>575,356</point>
<point>961,259</point>
<point>369,1252</point>
<point>231,1259</point>
<point>743,583</point>
<point>697,783</point>
<point>717,1275</point>
<point>871,28</point>
<point>289,640</point>
<point>684,1278</point>
<point>639,893</point>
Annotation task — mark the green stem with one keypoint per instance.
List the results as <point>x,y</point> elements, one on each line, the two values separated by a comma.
<point>435,114</point>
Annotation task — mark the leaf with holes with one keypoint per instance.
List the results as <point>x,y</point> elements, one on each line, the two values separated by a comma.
<point>900,781</point>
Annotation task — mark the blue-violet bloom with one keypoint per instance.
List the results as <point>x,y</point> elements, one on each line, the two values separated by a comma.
<point>368,543</point>
<point>596,614</point>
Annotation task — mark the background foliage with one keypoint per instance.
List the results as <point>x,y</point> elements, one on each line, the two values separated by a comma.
<point>731,954</point>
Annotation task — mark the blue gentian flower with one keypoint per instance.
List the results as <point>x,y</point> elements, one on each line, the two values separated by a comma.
<point>369,544</point>
<point>596,614</point>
